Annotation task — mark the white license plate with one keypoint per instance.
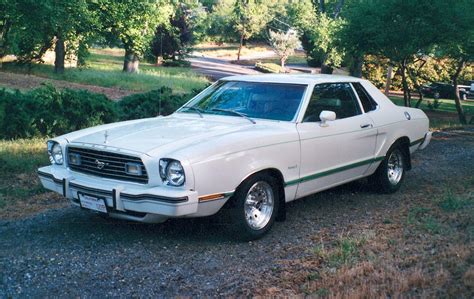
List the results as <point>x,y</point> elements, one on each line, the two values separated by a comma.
<point>92,203</point>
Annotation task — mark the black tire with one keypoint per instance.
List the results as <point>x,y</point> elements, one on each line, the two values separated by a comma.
<point>241,225</point>
<point>384,179</point>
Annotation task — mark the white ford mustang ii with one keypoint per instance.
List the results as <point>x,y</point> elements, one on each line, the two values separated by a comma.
<point>249,144</point>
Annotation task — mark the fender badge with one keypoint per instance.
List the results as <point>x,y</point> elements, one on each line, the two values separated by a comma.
<point>407,115</point>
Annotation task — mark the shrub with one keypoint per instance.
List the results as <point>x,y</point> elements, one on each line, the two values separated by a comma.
<point>47,111</point>
<point>269,68</point>
<point>150,104</point>
<point>176,63</point>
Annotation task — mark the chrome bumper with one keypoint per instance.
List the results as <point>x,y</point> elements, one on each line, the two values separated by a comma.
<point>124,200</point>
<point>426,141</point>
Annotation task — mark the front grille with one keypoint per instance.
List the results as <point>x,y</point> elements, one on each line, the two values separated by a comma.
<point>113,164</point>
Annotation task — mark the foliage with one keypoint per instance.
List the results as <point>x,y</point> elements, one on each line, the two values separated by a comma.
<point>36,25</point>
<point>269,68</point>
<point>284,44</point>
<point>47,111</point>
<point>249,18</point>
<point>175,38</point>
<point>220,27</point>
<point>324,45</point>
<point>157,102</point>
<point>176,63</point>
<point>133,22</point>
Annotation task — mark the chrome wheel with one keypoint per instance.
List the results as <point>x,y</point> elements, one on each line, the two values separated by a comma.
<point>259,205</point>
<point>395,167</point>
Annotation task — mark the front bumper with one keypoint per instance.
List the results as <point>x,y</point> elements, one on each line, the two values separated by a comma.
<point>124,200</point>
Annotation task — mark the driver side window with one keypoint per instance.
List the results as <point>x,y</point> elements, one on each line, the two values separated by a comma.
<point>336,97</point>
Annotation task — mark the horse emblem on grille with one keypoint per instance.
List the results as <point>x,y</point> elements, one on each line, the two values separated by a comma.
<point>100,164</point>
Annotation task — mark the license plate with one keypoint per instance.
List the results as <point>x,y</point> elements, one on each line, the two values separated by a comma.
<point>92,203</point>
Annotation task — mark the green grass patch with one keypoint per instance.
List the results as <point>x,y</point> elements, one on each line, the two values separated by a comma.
<point>345,251</point>
<point>104,68</point>
<point>446,105</point>
<point>422,218</point>
<point>269,68</point>
<point>19,160</point>
<point>451,202</point>
<point>22,155</point>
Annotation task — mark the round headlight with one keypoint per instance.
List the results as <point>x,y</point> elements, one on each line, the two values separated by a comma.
<point>175,173</point>
<point>56,154</point>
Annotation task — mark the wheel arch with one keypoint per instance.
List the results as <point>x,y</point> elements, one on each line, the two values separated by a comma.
<point>404,142</point>
<point>278,175</point>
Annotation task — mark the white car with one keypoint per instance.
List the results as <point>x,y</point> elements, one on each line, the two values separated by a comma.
<point>248,144</point>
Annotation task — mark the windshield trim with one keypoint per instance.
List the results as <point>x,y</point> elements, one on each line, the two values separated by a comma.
<point>221,81</point>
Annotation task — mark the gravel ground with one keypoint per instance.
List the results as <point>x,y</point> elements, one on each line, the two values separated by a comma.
<point>68,252</point>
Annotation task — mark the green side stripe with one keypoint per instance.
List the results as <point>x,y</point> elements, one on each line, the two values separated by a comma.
<point>417,141</point>
<point>332,171</point>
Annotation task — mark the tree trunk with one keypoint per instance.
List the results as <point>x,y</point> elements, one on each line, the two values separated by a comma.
<point>60,55</point>
<point>322,6</point>
<point>406,91</point>
<point>356,66</point>
<point>240,46</point>
<point>131,62</point>
<point>457,97</point>
<point>388,81</point>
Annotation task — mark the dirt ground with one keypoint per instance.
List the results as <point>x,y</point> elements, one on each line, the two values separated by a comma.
<point>24,82</point>
<point>345,242</point>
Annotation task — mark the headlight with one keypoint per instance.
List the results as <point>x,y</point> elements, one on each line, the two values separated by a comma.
<point>172,172</point>
<point>55,153</point>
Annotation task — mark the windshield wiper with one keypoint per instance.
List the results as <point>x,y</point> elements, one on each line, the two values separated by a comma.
<point>198,110</point>
<point>235,113</point>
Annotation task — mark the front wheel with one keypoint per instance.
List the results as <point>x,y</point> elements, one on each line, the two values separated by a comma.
<point>256,205</point>
<point>391,172</point>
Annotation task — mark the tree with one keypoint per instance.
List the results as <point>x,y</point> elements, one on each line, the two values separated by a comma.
<point>175,38</point>
<point>133,22</point>
<point>221,27</point>
<point>284,44</point>
<point>249,18</point>
<point>396,29</point>
<point>324,39</point>
<point>36,26</point>
<point>457,43</point>
<point>319,24</point>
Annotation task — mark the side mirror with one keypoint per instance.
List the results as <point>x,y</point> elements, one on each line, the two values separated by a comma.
<point>326,116</point>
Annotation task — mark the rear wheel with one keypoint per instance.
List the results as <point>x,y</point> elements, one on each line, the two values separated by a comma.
<point>256,205</point>
<point>391,172</point>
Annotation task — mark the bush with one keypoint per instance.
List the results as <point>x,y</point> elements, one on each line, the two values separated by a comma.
<point>269,68</point>
<point>156,102</point>
<point>176,63</point>
<point>47,111</point>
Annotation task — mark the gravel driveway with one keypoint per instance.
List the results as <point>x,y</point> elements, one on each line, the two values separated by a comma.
<point>69,252</point>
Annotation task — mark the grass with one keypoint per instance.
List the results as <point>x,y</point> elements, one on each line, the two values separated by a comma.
<point>19,160</point>
<point>229,50</point>
<point>451,202</point>
<point>19,156</point>
<point>104,68</point>
<point>446,105</point>
<point>345,251</point>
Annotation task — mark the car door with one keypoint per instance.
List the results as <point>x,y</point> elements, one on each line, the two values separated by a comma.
<point>340,151</point>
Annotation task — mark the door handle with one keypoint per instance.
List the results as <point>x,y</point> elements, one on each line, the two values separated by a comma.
<point>365,126</point>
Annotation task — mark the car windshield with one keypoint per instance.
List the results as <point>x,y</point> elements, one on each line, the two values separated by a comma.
<point>275,101</point>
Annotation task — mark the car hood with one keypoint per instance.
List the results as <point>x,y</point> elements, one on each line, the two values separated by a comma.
<point>148,135</point>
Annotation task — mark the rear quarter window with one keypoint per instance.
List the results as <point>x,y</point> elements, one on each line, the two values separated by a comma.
<point>367,101</point>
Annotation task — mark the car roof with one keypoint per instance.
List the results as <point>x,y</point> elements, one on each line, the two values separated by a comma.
<point>293,78</point>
